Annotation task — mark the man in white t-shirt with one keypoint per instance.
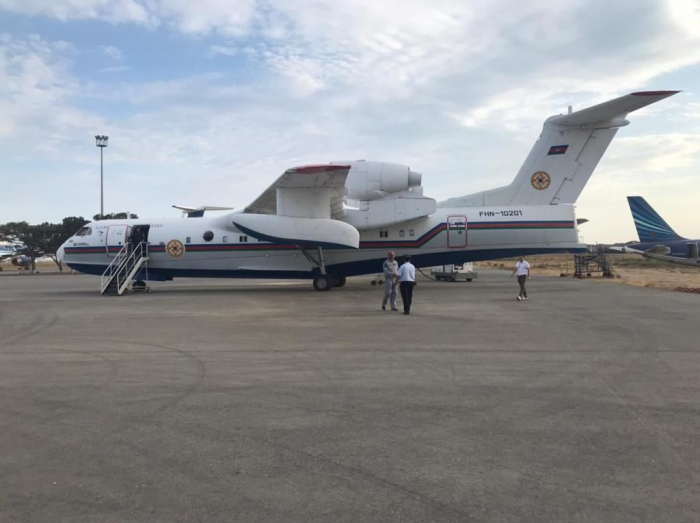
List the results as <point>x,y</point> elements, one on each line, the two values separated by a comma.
<point>523,270</point>
<point>407,276</point>
<point>389,269</point>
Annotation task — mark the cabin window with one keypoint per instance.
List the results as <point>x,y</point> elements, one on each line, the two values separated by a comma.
<point>225,238</point>
<point>188,240</point>
<point>410,232</point>
<point>383,234</point>
<point>243,239</point>
<point>402,233</point>
<point>208,236</point>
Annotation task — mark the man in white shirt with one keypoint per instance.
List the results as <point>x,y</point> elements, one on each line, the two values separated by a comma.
<point>390,268</point>
<point>407,276</point>
<point>523,270</point>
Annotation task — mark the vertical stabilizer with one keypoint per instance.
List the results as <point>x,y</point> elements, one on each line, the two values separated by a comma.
<point>565,155</point>
<point>650,226</point>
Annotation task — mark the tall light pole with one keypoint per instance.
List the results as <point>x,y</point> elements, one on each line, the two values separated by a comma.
<point>101,143</point>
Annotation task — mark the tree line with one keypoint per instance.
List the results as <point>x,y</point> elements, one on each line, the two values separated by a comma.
<point>46,238</point>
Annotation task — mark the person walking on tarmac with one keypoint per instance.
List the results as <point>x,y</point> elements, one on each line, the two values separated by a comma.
<point>390,268</point>
<point>407,276</point>
<point>523,270</point>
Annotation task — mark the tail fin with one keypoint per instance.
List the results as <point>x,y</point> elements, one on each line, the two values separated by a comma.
<point>565,155</point>
<point>650,226</point>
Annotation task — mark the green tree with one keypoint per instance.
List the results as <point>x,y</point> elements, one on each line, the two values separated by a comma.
<point>43,239</point>
<point>115,216</point>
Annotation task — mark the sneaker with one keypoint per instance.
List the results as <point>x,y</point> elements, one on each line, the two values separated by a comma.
<point>394,309</point>
<point>518,298</point>
<point>407,313</point>
<point>383,308</point>
<point>525,298</point>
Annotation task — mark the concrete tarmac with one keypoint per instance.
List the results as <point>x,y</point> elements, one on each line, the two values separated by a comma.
<point>264,401</point>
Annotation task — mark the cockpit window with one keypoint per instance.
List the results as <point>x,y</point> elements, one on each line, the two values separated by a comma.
<point>85,231</point>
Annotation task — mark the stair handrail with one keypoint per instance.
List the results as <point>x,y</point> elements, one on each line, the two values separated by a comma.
<point>125,271</point>
<point>123,263</point>
<point>113,267</point>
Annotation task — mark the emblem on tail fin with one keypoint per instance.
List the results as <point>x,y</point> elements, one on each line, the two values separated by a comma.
<point>540,180</point>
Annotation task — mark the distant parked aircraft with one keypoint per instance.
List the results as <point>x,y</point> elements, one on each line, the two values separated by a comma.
<point>10,250</point>
<point>657,239</point>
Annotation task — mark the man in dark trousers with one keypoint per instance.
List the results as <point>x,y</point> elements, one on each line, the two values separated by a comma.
<point>523,270</point>
<point>407,276</point>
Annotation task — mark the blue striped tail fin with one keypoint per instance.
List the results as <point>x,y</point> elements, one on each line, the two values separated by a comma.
<point>650,226</point>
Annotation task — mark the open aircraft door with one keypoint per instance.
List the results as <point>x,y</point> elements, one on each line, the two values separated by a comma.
<point>456,232</point>
<point>116,238</point>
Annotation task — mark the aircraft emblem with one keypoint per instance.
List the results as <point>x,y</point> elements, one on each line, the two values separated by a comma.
<point>540,180</point>
<point>175,248</point>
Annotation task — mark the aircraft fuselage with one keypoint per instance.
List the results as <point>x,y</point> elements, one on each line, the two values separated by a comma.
<point>215,248</point>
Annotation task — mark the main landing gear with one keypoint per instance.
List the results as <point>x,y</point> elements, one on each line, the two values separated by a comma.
<point>322,282</point>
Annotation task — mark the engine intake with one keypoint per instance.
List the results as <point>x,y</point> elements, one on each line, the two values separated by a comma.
<point>374,180</point>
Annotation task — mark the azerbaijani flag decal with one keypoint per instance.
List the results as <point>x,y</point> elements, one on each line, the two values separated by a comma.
<point>557,149</point>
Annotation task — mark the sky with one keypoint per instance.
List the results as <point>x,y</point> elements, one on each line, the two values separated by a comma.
<point>208,102</point>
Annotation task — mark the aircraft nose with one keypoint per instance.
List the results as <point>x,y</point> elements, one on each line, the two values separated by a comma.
<point>60,253</point>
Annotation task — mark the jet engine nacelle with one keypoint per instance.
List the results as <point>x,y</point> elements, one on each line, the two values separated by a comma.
<point>374,180</point>
<point>23,262</point>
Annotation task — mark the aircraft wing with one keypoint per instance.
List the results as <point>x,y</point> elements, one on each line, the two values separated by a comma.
<point>311,191</point>
<point>650,254</point>
<point>302,207</point>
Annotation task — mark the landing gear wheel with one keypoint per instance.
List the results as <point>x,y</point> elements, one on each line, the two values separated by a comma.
<point>339,282</point>
<point>322,283</point>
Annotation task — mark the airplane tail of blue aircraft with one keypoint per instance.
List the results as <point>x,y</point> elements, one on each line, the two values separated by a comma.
<point>650,226</point>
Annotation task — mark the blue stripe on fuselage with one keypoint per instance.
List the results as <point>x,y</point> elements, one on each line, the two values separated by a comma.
<point>355,268</point>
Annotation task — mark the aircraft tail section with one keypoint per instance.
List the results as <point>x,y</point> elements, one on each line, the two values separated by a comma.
<point>650,226</point>
<point>565,155</point>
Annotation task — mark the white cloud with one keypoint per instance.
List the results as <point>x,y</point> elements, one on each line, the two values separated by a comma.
<point>223,50</point>
<point>112,52</point>
<point>113,69</point>
<point>110,10</point>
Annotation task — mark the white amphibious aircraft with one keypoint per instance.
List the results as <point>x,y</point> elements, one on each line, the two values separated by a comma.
<point>327,222</point>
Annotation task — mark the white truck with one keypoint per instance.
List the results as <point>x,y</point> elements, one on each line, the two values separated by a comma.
<point>464,271</point>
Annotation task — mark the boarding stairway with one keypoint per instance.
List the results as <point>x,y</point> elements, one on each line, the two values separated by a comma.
<point>124,268</point>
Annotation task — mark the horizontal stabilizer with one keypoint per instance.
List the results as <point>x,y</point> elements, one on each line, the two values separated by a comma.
<point>612,111</point>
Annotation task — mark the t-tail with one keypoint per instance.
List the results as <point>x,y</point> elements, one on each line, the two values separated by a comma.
<point>565,155</point>
<point>650,226</point>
